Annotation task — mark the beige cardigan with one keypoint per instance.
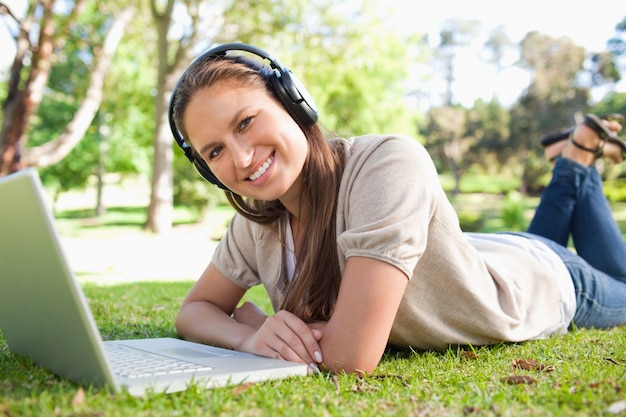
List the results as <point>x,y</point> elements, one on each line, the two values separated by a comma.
<point>463,289</point>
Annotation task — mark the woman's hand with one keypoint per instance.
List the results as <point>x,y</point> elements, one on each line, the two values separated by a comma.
<point>281,336</point>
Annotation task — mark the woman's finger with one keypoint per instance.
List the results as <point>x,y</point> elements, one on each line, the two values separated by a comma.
<point>301,339</point>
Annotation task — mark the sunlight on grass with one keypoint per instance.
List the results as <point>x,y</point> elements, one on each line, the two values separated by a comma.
<point>578,374</point>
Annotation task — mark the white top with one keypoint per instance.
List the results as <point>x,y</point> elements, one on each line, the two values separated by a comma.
<point>463,289</point>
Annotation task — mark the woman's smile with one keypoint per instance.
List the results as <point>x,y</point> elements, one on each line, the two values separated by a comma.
<point>262,169</point>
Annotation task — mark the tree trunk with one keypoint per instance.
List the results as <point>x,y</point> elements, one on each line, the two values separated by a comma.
<point>161,208</point>
<point>22,102</point>
<point>54,151</point>
<point>23,97</point>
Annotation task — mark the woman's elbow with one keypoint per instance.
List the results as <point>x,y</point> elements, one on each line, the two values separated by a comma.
<point>351,365</point>
<point>181,323</point>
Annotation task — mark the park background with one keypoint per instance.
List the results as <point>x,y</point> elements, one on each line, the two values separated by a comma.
<point>85,86</point>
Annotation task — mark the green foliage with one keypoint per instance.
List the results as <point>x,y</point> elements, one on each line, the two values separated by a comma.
<point>117,138</point>
<point>554,95</point>
<point>3,94</point>
<point>471,221</point>
<point>617,44</point>
<point>489,124</point>
<point>555,63</point>
<point>50,120</point>
<point>612,103</point>
<point>445,139</point>
<point>128,106</point>
<point>356,68</point>
<point>353,66</point>
<point>615,190</point>
<point>191,190</point>
<point>358,94</point>
<point>476,182</point>
<point>513,212</point>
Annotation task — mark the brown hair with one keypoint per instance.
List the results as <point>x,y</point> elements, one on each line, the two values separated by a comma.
<point>313,294</point>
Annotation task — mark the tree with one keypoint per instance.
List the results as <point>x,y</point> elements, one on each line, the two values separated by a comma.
<point>117,140</point>
<point>613,103</point>
<point>25,96</point>
<point>496,49</point>
<point>617,44</point>
<point>353,66</point>
<point>446,138</point>
<point>488,123</point>
<point>454,33</point>
<point>550,101</point>
<point>170,56</point>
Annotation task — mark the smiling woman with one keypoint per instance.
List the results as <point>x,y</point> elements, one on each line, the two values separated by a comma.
<point>356,242</point>
<point>242,134</point>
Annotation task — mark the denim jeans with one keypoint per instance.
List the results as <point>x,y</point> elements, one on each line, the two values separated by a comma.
<point>574,204</point>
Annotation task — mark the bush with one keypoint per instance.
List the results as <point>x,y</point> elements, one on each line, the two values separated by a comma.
<point>471,221</point>
<point>615,190</point>
<point>513,211</point>
<point>192,191</point>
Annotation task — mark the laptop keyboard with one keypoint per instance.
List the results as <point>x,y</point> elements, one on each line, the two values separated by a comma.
<point>132,363</point>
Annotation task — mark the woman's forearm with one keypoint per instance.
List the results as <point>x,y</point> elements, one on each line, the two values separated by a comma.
<point>250,314</point>
<point>206,323</point>
<point>355,337</point>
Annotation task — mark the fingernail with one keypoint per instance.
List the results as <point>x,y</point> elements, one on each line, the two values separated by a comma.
<point>313,368</point>
<point>318,357</point>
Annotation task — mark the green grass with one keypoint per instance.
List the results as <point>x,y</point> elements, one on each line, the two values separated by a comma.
<point>116,220</point>
<point>582,374</point>
<point>585,372</point>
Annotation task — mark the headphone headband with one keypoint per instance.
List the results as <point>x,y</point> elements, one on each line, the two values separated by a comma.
<point>287,88</point>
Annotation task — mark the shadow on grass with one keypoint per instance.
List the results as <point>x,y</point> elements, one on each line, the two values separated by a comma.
<point>90,213</point>
<point>119,216</point>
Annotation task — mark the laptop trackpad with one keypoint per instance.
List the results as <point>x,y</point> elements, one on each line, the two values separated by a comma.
<point>190,353</point>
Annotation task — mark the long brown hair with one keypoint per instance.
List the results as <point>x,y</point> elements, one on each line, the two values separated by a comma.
<point>312,295</point>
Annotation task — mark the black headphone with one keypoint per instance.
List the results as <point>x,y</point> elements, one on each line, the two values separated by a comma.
<point>286,87</point>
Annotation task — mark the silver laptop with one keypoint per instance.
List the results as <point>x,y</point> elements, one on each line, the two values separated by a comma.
<point>44,315</point>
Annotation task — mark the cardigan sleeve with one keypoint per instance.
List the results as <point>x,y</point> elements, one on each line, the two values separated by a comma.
<point>386,202</point>
<point>235,256</point>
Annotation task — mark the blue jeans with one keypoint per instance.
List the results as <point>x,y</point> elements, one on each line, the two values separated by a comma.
<point>574,204</point>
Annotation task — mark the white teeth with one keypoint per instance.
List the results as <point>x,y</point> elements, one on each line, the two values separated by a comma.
<point>262,169</point>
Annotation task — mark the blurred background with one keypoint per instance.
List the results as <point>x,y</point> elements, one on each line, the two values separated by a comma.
<point>85,84</point>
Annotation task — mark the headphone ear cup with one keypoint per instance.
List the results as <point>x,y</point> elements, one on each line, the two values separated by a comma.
<point>294,96</point>
<point>206,173</point>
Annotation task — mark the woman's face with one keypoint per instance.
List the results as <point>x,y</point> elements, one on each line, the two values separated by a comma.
<point>248,140</point>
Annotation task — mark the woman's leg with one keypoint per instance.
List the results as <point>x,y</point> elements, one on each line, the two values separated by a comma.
<point>595,233</point>
<point>553,217</point>
<point>600,299</point>
<point>574,203</point>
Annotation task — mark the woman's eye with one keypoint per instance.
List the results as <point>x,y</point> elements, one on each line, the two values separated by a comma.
<point>244,123</point>
<point>215,152</point>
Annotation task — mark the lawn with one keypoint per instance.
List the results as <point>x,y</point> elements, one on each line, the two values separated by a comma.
<point>582,373</point>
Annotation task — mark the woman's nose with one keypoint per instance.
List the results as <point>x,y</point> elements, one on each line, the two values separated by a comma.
<point>242,155</point>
